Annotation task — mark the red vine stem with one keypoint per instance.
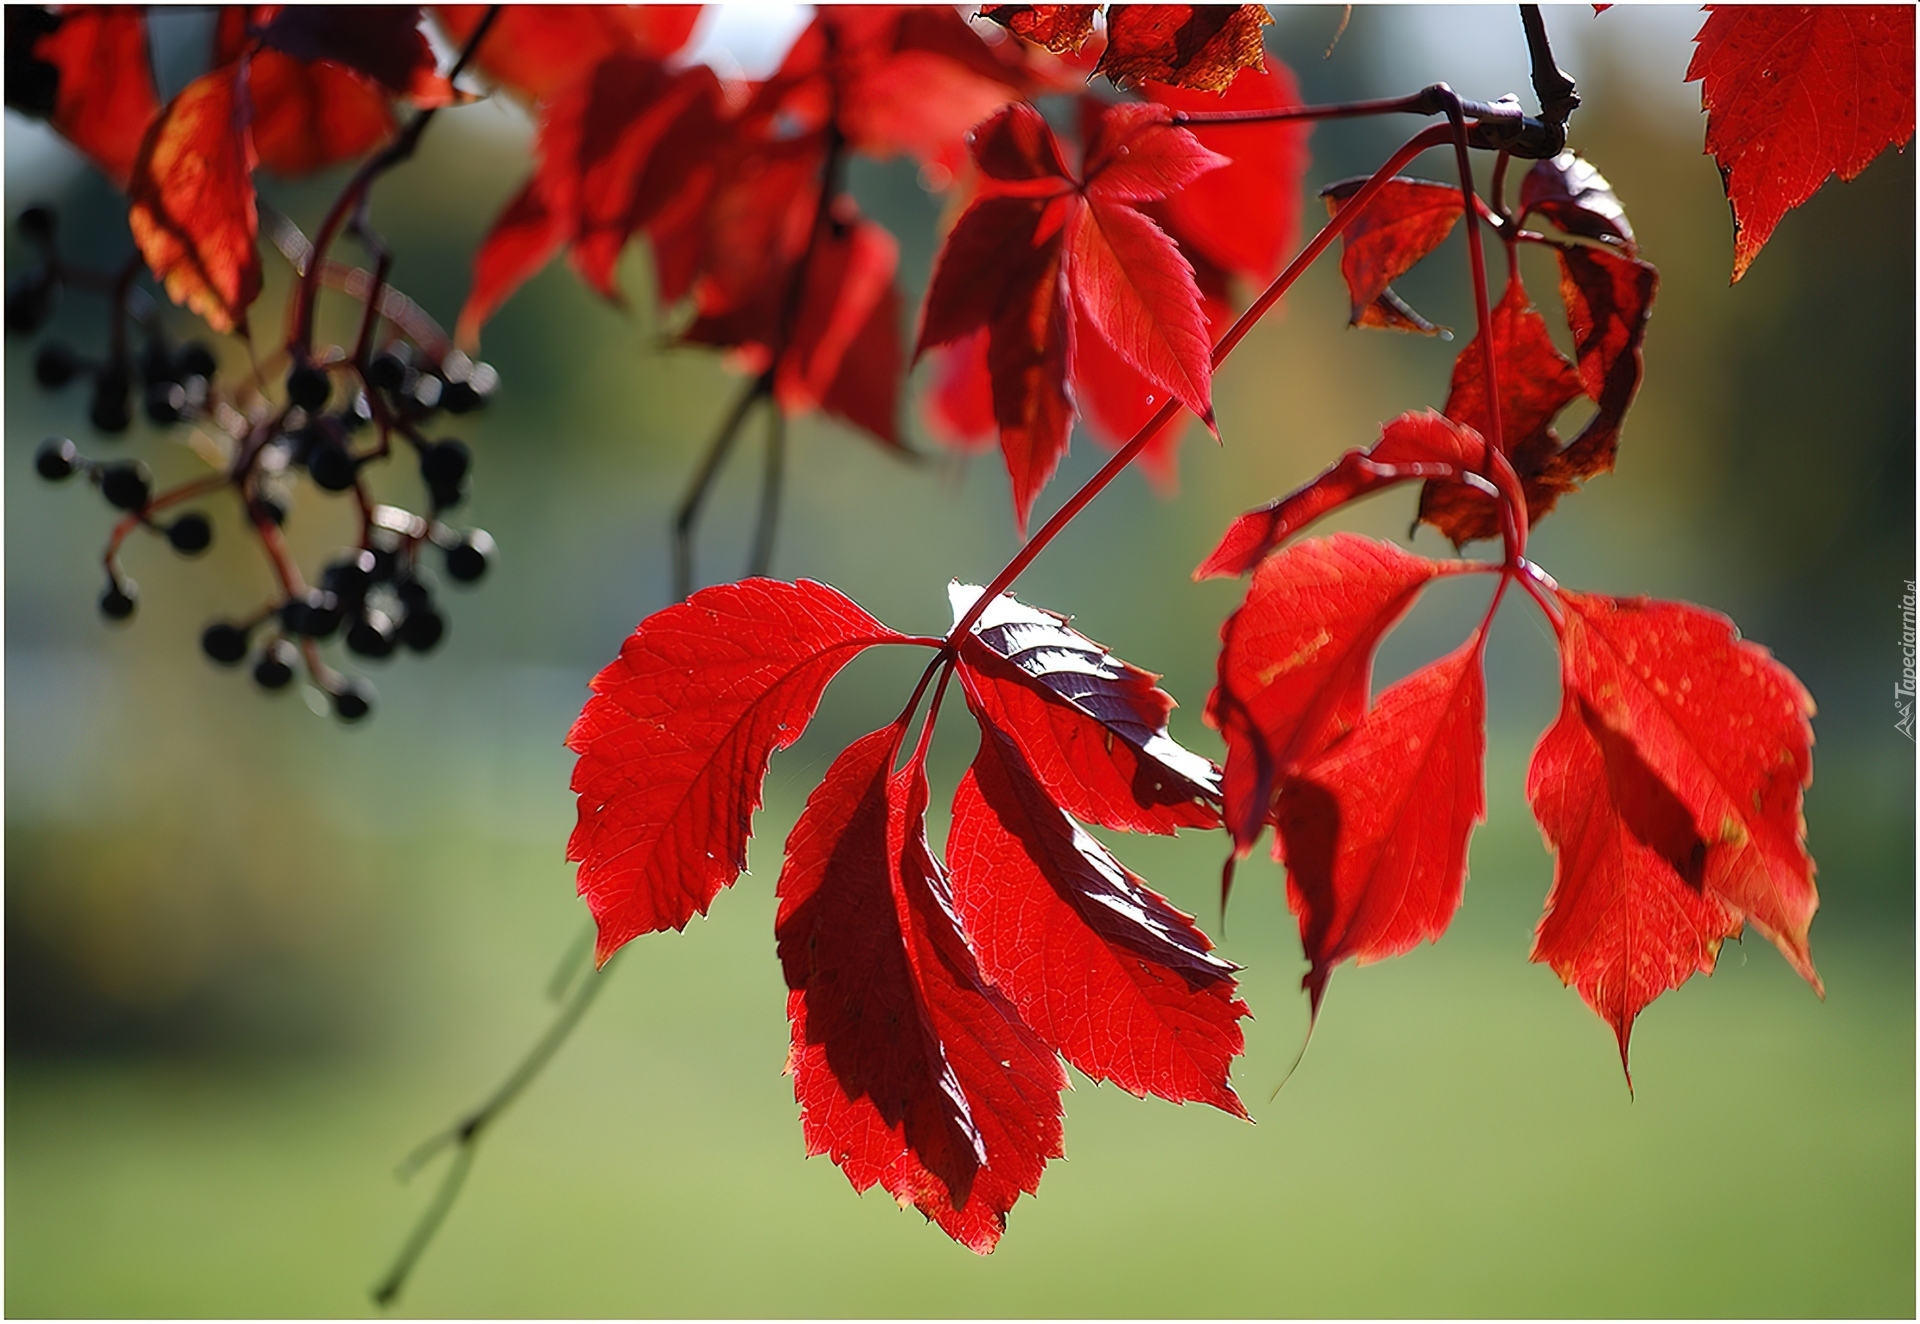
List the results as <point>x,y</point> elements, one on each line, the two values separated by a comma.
<point>1435,137</point>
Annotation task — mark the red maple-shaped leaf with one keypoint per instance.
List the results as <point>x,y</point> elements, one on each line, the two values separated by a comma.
<point>1609,299</point>
<point>910,1070</point>
<point>538,50</point>
<point>1296,661</point>
<point>675,741</point>
<point>1374,832</point>
<point>1423,445</point>
<point>1090,727</point>
<point>1100,966</point>
<point>839,344</point>
<point>106,98</point>
<point>1628,918</point>
<point>1535,383</point>
<point>1196,46</point>
<point>305,115</point>
<point>380,42</point>
<point>1039,246</point>
<point>310,116</point>
<point>1245,216</point>
<point>1795,93</point>
<point>616,147</point>
<point>1405,221</point>
<point>1724,728</point>
<point>1576,197</point>
<point>191,205</point>
<point>957,404</point>
<point>1062,29</point>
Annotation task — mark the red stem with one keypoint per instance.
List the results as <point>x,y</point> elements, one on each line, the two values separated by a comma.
<point>1420,142</point>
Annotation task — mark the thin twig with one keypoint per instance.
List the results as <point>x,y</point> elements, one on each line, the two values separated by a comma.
<point>464,1136</point>
<point>771,483</point>
<point>687,514</point>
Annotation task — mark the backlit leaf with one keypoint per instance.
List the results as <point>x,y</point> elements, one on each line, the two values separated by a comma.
<point>1374,832</point>
<point>909,1069</point>
<point>106,98</point>
<point>191,205</point>
<point>675,741</point>
<point>1197,46</point>
<point>1795,93</point>
<point>1091,727</point>
<point>1100,966</point>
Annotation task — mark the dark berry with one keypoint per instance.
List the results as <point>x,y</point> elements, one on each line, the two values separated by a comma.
<point>309,387</point>
<point>224,642</point>
<point>332,467</point>
<point>166,402</point>
<point>190,534</point>
<point>126,484</point>
<point>111,409</point>
<point>356,415</point>
<point>387,372</point>
<point>423,391</point>
<point>156,361</point>
<point>37,223</point>
<point>372,635</point>
<point>468,559</point>
<point>56,459</point>
<point>423,628</point>
<point>316,616</point>
<point>55,365</point>
<point>118,598</point>
<point>445,463</point>
<point>30,302</point>
<point>268,507</point>
<point>349,578</point>
<point>353,701</point>
<point>460,398</point>
<point>194,360</point>
<point>413,594</point>
<point>274,670</point>
<point>446,495</point>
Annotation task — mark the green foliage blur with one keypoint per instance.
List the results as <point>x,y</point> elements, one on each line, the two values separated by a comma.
<point>253,957</point>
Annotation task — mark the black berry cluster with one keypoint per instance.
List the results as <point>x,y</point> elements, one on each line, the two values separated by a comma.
<point>329,419</point>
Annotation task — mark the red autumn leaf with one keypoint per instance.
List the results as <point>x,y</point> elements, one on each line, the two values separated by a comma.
<point>1374,832</point>
<point>915,79</point>
<point>1101,967</point>
<point>1725,729</point>
<point>1405,221</point>
<point>306,115</point>
<point>1574,196</point>
<point>1197,46</point>
<point>1296,660</point>
<point>619,145</point>
<point>1062,29</point>
<point>1795,93</point>
<point>523,239</point>
<point>1624,922</point>
<point>1038,243</point>
<point>958,404</point>
<point>1609,298</point>
<point>1535,383</point>
<point>1245,216</point>
<point>538,50</point>
<point>909,1069</point>
<point>1116,400</point>
<point>675,741</point>
<point>839,344</point>
<point>1416,445</point>
<point>1091,727</point>
<point>383,42</point>
<point>191,206</point>
<point>310,116</point>
<point>106,98</point>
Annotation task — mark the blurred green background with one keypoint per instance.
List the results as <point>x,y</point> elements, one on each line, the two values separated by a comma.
<point>253,957</point>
